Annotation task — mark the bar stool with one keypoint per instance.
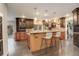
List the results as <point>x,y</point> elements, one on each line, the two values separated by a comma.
<point>57,36</point>
<point>46,38</point>
<point>60,36</point>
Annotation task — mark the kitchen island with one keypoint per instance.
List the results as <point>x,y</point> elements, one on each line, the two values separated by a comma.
<point>36,38</point>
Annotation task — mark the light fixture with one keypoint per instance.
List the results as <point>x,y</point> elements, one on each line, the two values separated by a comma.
<point>23,16</point>
<point>46,13</point>
<point>53,18</point>
<point>67,15</point>
<point>35,18</point>
<point>54,14</point>
<point>46,20</point>
<point>38,15</point>
<point>36,12</point>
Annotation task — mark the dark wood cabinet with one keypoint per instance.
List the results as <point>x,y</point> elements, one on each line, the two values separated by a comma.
<point>21,36</point>
<point>76,26</point>
<point>76,16</point>
<point>76,39</point>
<point>23,23</point>
<point>1,47</point>
<point>0,28</point>
<point>62,22</point>
<point>1,37</point>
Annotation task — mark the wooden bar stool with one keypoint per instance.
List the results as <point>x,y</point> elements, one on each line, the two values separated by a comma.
<point>54,39</point>
<point>60,36</point>
<point>56,36</point>
<point>45,39</point>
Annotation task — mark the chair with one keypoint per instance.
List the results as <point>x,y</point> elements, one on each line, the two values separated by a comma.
<point>47,37</point>
<point>60,36</point>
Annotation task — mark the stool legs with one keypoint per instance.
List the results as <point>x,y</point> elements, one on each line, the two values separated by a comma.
<point>51,43</point>
<point>55,44</point>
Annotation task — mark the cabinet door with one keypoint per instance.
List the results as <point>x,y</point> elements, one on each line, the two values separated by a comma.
<point>75,18</point>
<point>76,40</point>
<point>0,28</point>
<point>78,17</point>
<point>1,47</point>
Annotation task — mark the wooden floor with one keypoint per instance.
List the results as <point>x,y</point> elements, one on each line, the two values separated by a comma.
<point>19,48</point>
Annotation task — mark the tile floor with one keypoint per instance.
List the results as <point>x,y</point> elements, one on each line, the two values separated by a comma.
<point>18,48</point>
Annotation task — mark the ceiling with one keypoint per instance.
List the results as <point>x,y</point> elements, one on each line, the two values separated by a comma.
<point>27,9</point>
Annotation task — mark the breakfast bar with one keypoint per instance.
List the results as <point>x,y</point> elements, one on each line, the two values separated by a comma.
<point>36,39</point>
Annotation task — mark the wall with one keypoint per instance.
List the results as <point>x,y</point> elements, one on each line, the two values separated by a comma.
<point>3,13</point>
<point>12,23</point>
<point>12,20</point>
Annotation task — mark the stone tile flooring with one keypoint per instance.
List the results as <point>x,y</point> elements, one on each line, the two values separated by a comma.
<point>19,48</point>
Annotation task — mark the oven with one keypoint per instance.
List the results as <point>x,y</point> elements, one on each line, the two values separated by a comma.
<point>1,47</point>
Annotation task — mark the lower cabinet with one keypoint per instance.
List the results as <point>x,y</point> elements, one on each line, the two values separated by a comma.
<point>1,47</point>
<point>19,36</point>
<point>76,40</point>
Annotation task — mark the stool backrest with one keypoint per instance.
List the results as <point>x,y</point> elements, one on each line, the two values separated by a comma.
<point>58,34</point>
<point>49,35</point>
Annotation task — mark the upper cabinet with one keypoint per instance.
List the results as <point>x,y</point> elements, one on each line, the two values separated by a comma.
<point>23,23</point>
<point>76,16</point>
<point>62,22</point>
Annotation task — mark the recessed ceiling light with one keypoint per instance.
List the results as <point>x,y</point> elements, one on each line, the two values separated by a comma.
<point>35,18</point>
<point>23,16</point>
<point>67,15</point>
<point>37,13</point>
<point>45,14</point>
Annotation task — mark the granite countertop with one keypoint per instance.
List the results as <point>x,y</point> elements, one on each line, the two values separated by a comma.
<point>43,31</point>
